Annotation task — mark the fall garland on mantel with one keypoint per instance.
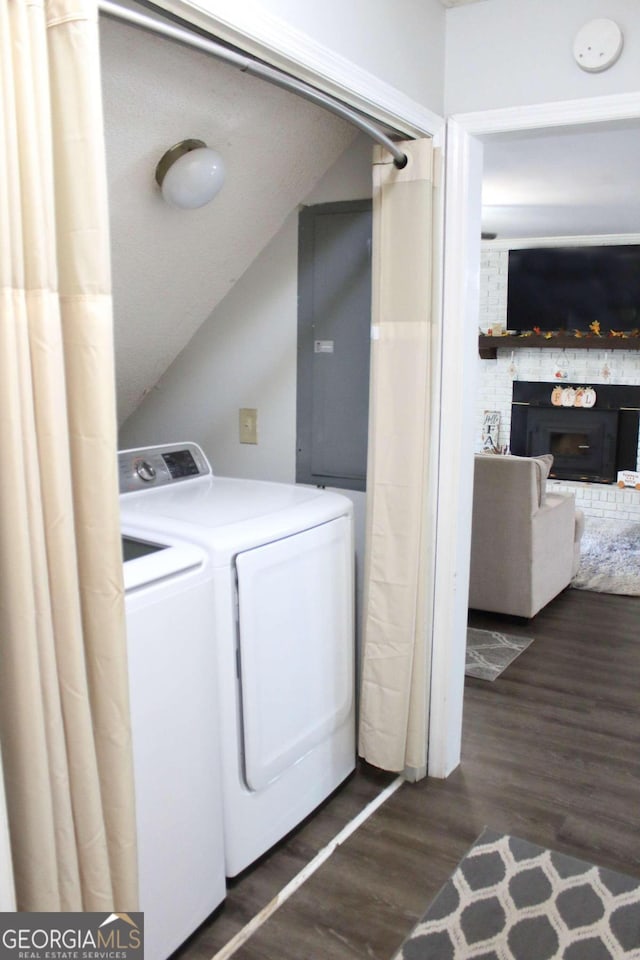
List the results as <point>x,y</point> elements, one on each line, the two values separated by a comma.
<point>594,333</point>
<point>592,339</point>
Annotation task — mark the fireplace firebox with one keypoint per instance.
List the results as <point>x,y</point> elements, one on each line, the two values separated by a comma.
<point>583,442</point>
<point>587,444</point>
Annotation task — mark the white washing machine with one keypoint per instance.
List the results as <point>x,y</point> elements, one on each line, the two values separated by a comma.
<point>174,719</point>
<point>283,593</point>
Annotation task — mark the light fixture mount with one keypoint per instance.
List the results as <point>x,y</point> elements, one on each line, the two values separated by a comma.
<point>174,153</point>
<point>190,174</point>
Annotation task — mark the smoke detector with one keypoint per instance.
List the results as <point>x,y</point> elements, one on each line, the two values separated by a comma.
<point>597,45</point>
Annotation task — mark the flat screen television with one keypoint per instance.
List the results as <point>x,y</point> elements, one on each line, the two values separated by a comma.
<point>567,288</point>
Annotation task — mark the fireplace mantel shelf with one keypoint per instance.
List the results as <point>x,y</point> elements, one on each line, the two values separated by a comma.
<point>488,346</point>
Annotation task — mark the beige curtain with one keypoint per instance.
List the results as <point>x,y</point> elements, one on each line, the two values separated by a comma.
<point>64,723</point>
<point>395,669</point>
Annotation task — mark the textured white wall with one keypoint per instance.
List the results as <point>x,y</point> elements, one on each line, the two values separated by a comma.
<point>171,267</point>
<point>502,53</point>
<point>243,355</point>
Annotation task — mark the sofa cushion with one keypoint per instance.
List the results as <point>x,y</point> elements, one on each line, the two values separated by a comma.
<point>543,465</point>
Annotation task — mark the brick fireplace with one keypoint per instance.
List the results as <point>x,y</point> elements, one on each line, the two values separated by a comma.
<point>589,367</point>
<point>495,391</point>
<point>589,444</point>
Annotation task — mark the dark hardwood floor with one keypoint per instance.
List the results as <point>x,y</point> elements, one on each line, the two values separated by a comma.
<point>551,753</point>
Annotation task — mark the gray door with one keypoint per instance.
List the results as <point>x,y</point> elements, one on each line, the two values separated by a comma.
<point>334,331</point>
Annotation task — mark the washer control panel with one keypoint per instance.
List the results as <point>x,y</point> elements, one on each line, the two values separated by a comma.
<point>147,467</point>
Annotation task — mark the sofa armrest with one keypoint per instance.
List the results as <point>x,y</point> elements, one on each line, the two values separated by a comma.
<point>553,532</point>
<point>577,537</point>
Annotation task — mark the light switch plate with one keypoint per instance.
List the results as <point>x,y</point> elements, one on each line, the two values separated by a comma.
<point>248,425</point>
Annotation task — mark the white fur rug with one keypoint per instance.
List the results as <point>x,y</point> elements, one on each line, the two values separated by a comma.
<point>610,557</point>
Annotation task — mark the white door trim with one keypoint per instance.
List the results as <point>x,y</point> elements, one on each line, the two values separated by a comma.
<point>461,306</point>
<point>615,107</point>
<point>455,463</point>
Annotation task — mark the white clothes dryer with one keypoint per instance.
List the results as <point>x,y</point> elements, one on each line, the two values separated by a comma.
<point>283,595</point>
<point>175,736</point>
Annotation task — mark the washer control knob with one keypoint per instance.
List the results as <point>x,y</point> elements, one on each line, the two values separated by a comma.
<point>145,471</point>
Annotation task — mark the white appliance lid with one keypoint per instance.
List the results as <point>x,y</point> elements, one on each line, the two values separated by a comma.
<point>219,501</point>
<point>161,562</point>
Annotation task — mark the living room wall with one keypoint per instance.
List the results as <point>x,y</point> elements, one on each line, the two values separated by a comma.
<point>526,53</point>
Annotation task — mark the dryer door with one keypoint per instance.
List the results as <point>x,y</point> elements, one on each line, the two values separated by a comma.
<point>296,646</point>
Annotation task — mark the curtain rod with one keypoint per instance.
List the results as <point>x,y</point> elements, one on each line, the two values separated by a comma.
<point>255,69</point>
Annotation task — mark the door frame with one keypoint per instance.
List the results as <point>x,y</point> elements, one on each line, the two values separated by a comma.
<point>263,35</point>
<point>465,134</point>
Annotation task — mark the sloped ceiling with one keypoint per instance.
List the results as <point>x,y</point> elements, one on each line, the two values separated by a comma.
<point>172,267</point>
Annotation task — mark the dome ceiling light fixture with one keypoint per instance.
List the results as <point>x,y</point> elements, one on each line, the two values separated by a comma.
<point>190,174</point>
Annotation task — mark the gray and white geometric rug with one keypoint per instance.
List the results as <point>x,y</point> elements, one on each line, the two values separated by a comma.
<point>513,900</point>
<point>609,557</point>
<point>490,652</point>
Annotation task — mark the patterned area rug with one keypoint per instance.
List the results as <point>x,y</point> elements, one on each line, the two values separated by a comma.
<point>490,652</point>
<point>512,900</point>
<point>609,557</point>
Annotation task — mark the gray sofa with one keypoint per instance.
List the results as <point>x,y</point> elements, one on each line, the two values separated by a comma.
<point>525,544</point>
